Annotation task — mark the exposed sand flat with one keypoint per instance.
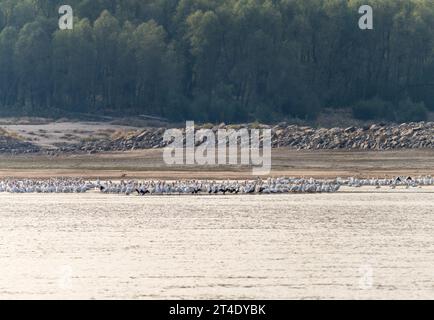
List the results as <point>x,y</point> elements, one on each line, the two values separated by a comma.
<point>46,135</point>
<point>146,164</point>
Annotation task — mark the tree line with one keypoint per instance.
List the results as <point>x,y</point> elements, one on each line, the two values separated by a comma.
<point>228,60</point>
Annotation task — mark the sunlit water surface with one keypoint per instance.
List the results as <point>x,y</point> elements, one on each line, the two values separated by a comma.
<point>345,245</point>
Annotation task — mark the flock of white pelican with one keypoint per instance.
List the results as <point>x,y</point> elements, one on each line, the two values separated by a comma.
<point>258,186</point>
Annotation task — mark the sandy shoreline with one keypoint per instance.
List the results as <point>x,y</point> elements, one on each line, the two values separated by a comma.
<point>148,164</point>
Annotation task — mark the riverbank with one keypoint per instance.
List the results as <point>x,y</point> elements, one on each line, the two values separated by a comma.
<point>64,148</point>
<point>66,137</point>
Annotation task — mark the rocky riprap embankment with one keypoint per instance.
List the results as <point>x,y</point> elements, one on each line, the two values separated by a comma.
<point>374,137</point>
<point>145,139</point>
<point>16,146</point>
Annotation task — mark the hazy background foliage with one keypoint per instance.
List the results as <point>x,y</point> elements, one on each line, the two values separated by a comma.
<point>206,60</point>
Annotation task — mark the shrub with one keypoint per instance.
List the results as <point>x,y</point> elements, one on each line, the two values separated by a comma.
<point>373,109</point>
<point>377,109</point>
<point>409,111</point>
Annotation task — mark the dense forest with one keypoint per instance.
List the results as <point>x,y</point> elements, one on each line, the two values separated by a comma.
<point>227,60</point>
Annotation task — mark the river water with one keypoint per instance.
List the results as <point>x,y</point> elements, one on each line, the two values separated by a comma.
<point>344,245</point>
